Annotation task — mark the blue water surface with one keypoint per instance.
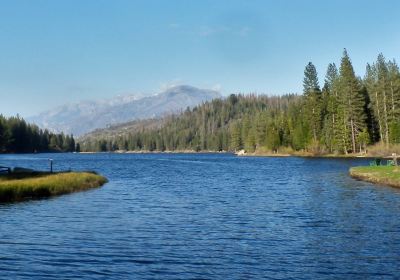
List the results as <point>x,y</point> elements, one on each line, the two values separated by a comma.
<point>203,216</point>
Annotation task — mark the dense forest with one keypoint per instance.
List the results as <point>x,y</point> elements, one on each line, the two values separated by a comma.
<point>345,115</point>
<point>17,136</point>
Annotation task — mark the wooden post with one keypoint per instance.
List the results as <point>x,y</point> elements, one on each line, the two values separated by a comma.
<point>51,165</point>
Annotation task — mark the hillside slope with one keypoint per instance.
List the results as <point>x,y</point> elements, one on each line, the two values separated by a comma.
<point>222,124</point>
<point>83,117</point>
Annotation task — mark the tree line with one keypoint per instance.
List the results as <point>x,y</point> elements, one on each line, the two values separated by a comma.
<point>345,115</point>
<point>17,136</point>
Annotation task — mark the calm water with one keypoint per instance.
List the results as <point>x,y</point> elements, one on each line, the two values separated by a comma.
<point>203,217</point>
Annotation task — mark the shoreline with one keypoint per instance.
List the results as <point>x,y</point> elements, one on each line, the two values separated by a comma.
<point>350,156</point>
<point>382,175</point>
<point>23,186</point>
<point>257,154</point>
<point>236,154</point>
<point>159,152</point>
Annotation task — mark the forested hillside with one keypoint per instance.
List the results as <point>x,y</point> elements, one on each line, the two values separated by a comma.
<point>343,116</point>
<point>17,136</point>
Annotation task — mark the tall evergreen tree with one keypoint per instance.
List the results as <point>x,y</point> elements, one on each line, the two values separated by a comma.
<point>312,93</point>
<point>236,137</point>
<point>3,137</point>
<point>370,83</point>
<point>394,91</point>
<point>382,87</point>
<point>331,135</point>
<point>352,100</point>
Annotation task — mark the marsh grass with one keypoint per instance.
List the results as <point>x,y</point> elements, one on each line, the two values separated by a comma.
<point>386,175</point>
<point>381,149</point>
<point>35,185</point>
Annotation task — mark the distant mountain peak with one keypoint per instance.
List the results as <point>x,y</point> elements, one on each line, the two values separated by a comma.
<point>82,117</point>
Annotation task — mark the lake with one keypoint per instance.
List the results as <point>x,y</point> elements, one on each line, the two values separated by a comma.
<point>203,216</point>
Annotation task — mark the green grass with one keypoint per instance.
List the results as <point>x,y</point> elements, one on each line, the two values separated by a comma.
<point>386,175</point>
<point>35,185</point>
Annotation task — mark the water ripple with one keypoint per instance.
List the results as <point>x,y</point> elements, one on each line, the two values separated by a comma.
<point>206,216</point>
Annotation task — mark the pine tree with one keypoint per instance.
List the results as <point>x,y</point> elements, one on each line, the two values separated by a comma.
<point>273,140</point>
<point>382,88</point>
<point>260,130</point>
<point>370,84</point>
<point>352,100</point>
<point>250,140</point>
<point>312,93</point>
<point>53,142</point>
<point>331,124</point>
<point>3,134</point>
<point>394,86</point>
<point>236,137</point>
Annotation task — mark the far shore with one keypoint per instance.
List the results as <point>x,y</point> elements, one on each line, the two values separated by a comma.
<point>244,154</point>
<point>241,153</point>
<point>161,152</point>
<point>308,155</point>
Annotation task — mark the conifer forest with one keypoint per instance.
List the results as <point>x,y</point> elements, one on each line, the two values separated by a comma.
<point>17,136</point>
<point>341,115</point>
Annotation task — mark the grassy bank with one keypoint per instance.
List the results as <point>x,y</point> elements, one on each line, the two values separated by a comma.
<point>385,175</point>
<point>34,185</point>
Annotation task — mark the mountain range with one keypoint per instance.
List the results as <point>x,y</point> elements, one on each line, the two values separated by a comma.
<point>83,117</point>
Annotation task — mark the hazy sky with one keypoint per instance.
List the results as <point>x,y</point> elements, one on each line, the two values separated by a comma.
<point>53,52</point>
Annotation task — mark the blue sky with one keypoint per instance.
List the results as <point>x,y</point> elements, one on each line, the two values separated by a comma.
<point>53,52</point>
